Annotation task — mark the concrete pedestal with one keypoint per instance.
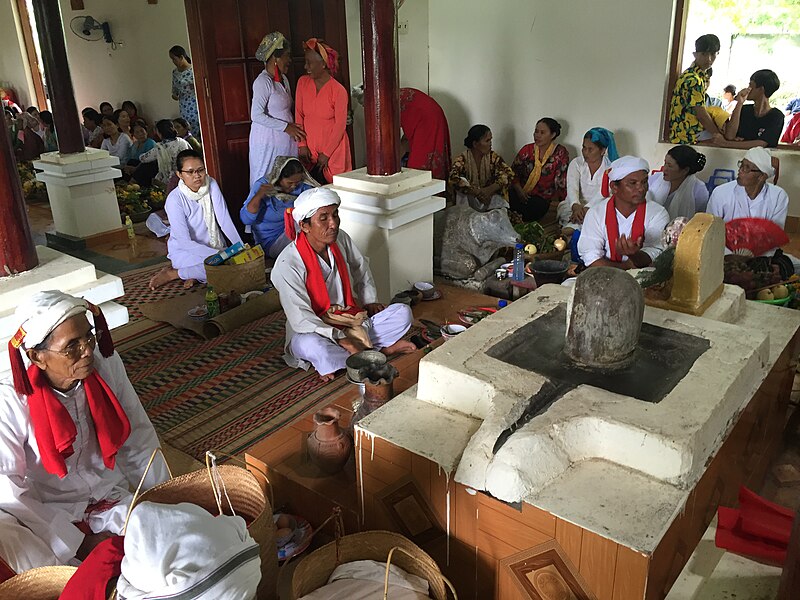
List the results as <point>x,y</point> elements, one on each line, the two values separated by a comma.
<point>391,221</point>
<point>57,271</point>
<point>81,191</point>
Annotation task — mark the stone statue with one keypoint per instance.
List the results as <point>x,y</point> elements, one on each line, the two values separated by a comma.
<point>468,239</point>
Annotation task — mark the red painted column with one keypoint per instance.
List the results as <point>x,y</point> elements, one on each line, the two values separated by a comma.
<point>17,251</point>
<point>66,117</point>
<point>381,87</point>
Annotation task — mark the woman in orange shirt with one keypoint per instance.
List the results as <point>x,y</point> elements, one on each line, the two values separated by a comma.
<point>321,110</point>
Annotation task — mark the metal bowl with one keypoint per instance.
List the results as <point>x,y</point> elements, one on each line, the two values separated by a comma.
<point>359,360</point>
<point>549,267</point>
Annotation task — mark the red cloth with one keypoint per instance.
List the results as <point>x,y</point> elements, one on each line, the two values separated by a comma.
<point>792,130</point>
<point>425,127</point>
<point>612,227</point>
<point>56,432</point>
<point>758,528</point>
<point>315,282</point>
<point>91,579</point>
<point>6,572</point>
<point>754,234</point>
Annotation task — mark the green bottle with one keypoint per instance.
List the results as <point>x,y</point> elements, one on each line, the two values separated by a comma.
<point>212,302</point>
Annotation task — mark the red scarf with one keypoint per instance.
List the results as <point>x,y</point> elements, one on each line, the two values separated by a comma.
<point>91,579</point>
<point>56,432</point>
<point>315,282</point>
<point>612,227</point>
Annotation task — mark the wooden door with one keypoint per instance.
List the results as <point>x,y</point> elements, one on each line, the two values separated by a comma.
<point>224,36</point>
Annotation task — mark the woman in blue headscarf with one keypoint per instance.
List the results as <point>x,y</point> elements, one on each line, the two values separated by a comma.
<point>585,177</point>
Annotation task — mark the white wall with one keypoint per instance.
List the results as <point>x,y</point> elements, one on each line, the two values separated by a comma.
<point>139,70</point>
<point>412,58</point>
<point>13,62</point>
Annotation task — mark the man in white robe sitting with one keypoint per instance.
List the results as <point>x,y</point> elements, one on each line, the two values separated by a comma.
<point>74,436</point>
<point>750,195</point>
<point>328,294</point>
<point>625,230</point>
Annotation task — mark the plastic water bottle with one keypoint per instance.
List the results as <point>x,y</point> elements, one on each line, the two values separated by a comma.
<point>212,302</point>
<point>518,274</point>
<point>131,234</point>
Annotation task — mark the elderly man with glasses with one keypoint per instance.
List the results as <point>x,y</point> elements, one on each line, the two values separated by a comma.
<point>750,195</point>
<point>74,437</point>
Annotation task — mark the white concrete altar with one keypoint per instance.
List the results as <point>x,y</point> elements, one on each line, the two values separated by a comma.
<point>613,465</point>
<point>81,191</point>
<point>390,218</point>
<point>58,271</point>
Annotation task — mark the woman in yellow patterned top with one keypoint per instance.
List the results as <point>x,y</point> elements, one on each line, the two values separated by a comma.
<point>479,176</point>
<point>687,111</point>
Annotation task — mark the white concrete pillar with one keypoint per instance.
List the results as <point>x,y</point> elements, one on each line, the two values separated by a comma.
<point>58,271</point>
<point>81,190</point>
<point>391,221</point>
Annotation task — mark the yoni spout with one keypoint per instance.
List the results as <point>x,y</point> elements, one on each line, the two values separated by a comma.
<point>604,318</point>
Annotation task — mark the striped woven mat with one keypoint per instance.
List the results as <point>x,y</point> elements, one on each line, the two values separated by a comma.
<point>225,394</point>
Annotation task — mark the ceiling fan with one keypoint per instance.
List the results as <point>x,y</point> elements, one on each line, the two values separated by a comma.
<point>91,30</point>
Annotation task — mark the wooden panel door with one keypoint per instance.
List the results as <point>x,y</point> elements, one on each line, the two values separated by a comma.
<point>223,36</point>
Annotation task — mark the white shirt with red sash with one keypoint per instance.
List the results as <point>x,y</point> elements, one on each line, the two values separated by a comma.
<point>289,278</point>
<point>48,505</point>
<point>594,241</point>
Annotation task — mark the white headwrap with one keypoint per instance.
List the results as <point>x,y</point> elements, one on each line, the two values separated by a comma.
<point>42,313</point>
<point>625,165</point>
<point>203,197</point>
<point>762,159</point>
<point>184,551</point>
<point>310,201</point>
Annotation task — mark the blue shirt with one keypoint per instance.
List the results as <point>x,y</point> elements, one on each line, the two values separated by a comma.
<point>793,106</point>
<point>267,223</point>
<point>134,153</point>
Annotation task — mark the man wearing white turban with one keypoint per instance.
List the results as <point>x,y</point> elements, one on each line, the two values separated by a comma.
<point>73,435</point>
<point>750,195</point>
<point>625,230</point>
<point>328,294</point>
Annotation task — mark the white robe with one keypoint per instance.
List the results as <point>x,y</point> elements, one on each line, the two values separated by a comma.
<point>37,508</point>
<point>582,188</point>
<point>308,338</point>
<point>659,192</point>
<point>594,245</point>
<point>730,201</point>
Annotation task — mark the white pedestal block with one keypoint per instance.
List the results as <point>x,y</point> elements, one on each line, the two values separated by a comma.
<point>391,221</point>
<point>57,271</point>
<point>81,191</point>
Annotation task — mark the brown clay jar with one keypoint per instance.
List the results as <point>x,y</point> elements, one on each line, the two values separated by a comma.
<point>329,446</point>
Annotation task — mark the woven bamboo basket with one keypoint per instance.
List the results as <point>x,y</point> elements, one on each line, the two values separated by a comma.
<point>43,583</point>
<point>248,501</point>
<point>314,570</point>
<point>242,278</point>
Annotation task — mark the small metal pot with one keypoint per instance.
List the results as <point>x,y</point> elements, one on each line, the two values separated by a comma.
<point>359,360</point>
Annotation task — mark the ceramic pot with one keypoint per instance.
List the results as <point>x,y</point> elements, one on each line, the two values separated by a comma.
<point>329,446</point>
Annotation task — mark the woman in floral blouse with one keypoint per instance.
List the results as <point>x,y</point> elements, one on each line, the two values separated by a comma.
<point>183,88</point>
<point>541,172</point>
<point>479,176</point>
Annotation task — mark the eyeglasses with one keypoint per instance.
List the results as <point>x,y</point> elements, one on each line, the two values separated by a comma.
<point>76,349</point>
<point>193,172</point>
<point>745,169</point>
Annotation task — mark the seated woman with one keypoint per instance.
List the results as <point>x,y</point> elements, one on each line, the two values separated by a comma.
<point>92,132</point>
<point>50,138</point>
<point>675,187</point>
<point>479,176</point>
<point>141,144</point>
<point>585,177</point>
<point>182,129</point>
<point>541,172</point>
<point>159,164</point>
<point>31,144</point>
<point>269,198</point>
<point>198,218</point>
<point>115,142</point>
<point>124,121</point>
